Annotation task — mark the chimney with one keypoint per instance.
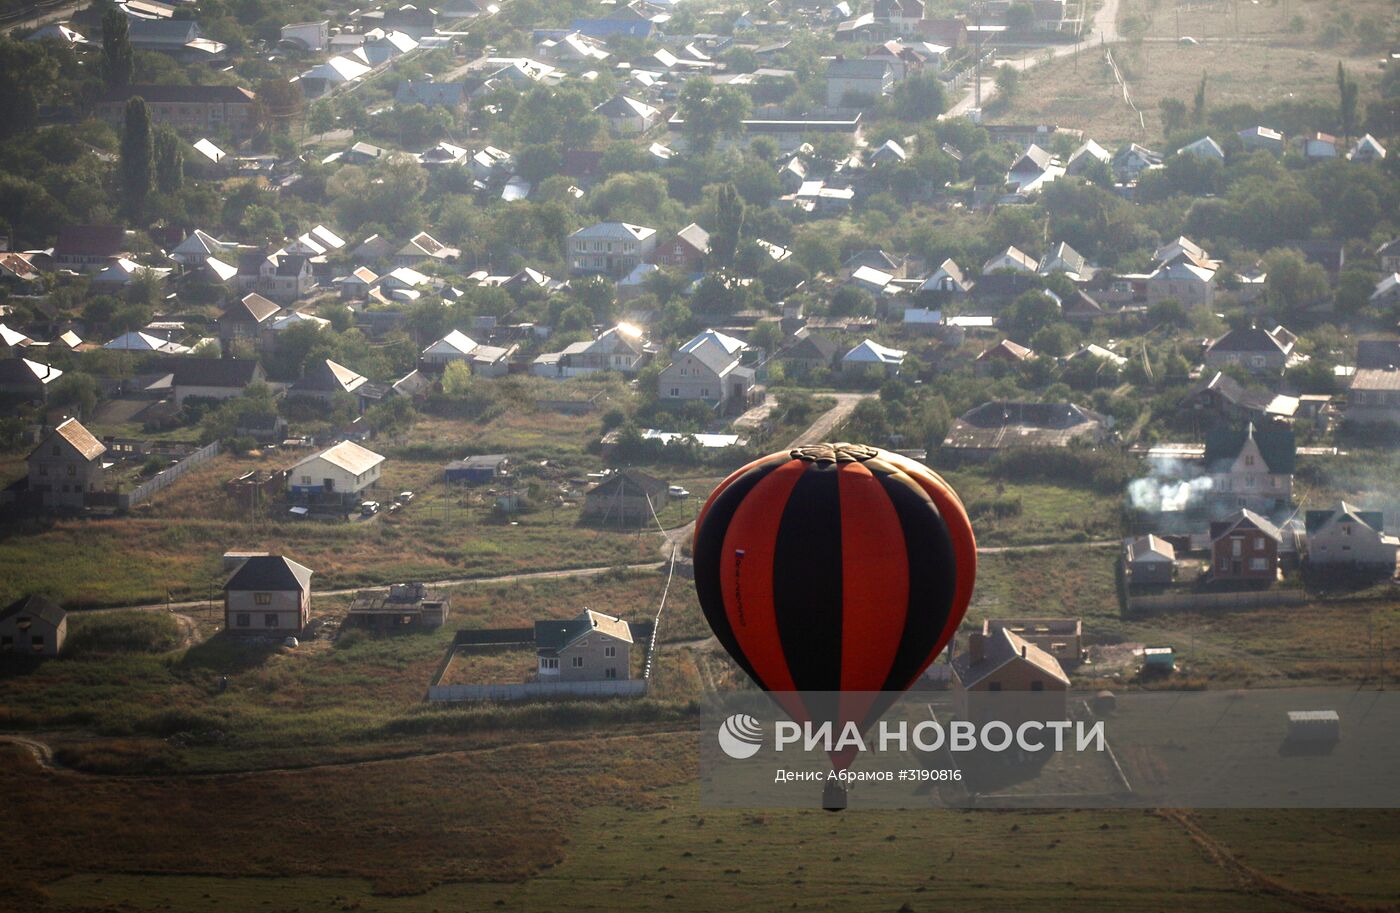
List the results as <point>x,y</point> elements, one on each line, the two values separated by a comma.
<point>1023,651</point>
<point>975,646</point>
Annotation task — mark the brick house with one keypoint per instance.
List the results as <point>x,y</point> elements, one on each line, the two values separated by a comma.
<point>1244,546</point>
<point>1000,664</point>
<point>66,466</point>
<point>590,647</point>
<point>686,250</point>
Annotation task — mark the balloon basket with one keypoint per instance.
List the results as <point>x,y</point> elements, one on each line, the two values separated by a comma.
<point>834,796</point>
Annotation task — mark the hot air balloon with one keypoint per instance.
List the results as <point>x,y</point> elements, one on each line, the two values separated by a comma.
<point>834,568</point>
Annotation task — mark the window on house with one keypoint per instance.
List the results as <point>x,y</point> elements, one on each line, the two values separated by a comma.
<point>1236,547</point>
<point>1249,460</point>
<point>36,640</point>
<point>994,686</point>
<point>578,662</point>
<point>675,391</point>
<point>1346,529</point>
<point>610,672</point>
<point>262,599</point>
<point>610,651</point>
<point>1258,564</point>
<point>1037,685</point>
<point>242,619</point>
<point>43,469</point>
<point>270,620</point>
<point>72,470</point>
<point>6,641</point>
<point>1258,543</point>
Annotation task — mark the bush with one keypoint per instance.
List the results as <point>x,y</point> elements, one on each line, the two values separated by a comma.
<point>1108,471</point>
<point>121,632</point>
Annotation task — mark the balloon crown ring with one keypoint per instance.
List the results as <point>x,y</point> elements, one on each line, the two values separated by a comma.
<point>839,452</point>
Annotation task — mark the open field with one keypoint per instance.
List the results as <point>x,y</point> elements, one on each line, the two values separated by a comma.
<point>611,847</point>
<point>1262,63</point>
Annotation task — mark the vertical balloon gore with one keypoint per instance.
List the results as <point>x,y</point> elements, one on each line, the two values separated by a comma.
<point>837,568</point>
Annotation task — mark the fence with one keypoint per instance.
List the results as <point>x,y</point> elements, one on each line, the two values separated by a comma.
<point>167,477</point>
<point>630,687</point>
<point>1175,601</point>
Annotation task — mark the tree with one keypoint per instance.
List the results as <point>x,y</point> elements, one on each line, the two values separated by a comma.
<point>1198,104</point>
<point>76,391</point>
<point>1008,81</point>
<point>169,161</point>
<point>729,223</point>
<point>322,118</point>
<point>137,152</point>
<point>29,73</point>
<point>1173,115</point>
<point>279,102</point>
<point>709,112</point>
<point>1020,17</point>
<point>1293,284</point>
<point>1030,312</point>
<point>919,98</point>
<point>118,61</point>
<point>1347,98</point>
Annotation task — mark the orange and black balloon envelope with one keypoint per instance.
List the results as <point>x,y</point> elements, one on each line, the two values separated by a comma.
<point>834,568</point>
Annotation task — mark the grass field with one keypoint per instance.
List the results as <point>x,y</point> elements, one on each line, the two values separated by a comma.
<point>1261,63</point>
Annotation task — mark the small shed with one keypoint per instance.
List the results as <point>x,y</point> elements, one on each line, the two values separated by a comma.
<point>404,606</point>
<point>1314,726</point>
<point>478,470</point>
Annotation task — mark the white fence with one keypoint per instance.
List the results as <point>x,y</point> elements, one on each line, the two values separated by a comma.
<point>525,690</point>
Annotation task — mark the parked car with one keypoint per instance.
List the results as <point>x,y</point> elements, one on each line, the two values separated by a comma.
<point>369,508</point>
<point>676,491</point>
<point>404,497</point>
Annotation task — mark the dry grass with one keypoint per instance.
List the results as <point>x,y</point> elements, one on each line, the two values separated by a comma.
<point>1273,65</point>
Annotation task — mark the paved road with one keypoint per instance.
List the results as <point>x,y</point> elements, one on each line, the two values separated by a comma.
<point>1103,29</point>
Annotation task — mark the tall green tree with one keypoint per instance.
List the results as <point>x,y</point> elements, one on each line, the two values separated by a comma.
<point>137,156</point>
<point>118,62</point>
<point>1198,104</point>
<point>729,224</point>
<point>1347,98</point>
<point>169,161</point>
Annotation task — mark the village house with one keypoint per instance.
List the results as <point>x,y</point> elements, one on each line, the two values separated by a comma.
<point>1004,352</point>
<point>590,647</point>
<point>1244,546</point>
<point>26,378</point>
<point>286,277</point>
<point>947,280</point>
<point>871,359</point>
<point>1252,466</point>
<point>344,469</point>
<point>244,320</point>
<point>985,430</point>
<point>268,594</point>
<point>1227,400</point>
<point>708,368</point>
<point>88,248</point>
<point>1012,259</point>
<point>629,497</point>
<point>1148,560</point>
<point>1062,638</point>
<point>195,109</point>
<point>424,248</point>
<point>1374,396</point>
<point>610,248</point>
<point>687,250</point>
<point>621,348</point>
<point>1003,676</point>
<point>1183,281</point>
<point>214,378</point>
<point>628,116</point>
<point>33,626</point>
<point>402,607</point>
<point>1262,139</point>
<point>857,83</point>
<point>1347,537</point>
<point>808,352</point>
<point>1260,351</point>
<point>66,466</point>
